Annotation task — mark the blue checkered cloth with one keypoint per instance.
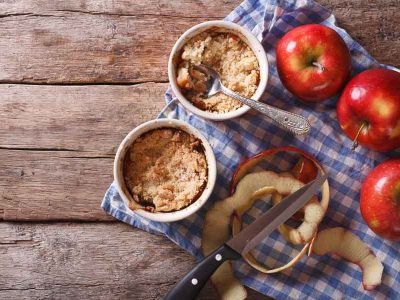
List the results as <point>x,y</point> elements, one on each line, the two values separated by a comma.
<point>314,277</point>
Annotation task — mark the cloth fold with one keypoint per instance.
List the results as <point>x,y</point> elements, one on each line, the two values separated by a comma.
<point>232,141</point>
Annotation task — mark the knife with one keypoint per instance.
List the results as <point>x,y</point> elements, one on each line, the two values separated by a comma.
<point>190,285</point>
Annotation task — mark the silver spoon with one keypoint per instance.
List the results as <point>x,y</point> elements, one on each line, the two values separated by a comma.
<point>293,122</point>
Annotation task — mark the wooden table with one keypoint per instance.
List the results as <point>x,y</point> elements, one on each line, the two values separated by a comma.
<point>75,78</point>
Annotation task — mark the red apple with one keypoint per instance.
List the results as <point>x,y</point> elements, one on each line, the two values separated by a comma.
<point>313,62</point>
<point>380,199</point>
<point>369,109</point>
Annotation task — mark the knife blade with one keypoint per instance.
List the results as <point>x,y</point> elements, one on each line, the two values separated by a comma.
<point>190,285</point>
<point>254,233</point>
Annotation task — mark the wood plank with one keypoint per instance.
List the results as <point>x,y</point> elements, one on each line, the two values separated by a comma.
<point>53,185</point>
<point>83,48</point>
<point>80,118</point>
<point>67,46</point>
<point>57,145</point>
<point>82,261</point>
<point>374,24</point>
<point>181,8</point>
<point>40,42</point>
<point>79,43</point>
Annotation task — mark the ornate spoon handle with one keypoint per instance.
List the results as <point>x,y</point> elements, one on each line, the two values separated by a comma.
<point>293,122</point>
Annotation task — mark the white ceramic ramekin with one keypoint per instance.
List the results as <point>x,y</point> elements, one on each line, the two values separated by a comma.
<point>119,163</point>
<point>222,26</point>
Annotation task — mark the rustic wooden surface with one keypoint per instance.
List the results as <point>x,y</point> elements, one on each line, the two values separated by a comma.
<point>91,260</point>
<point>75,77</point>
<point>59,142</point>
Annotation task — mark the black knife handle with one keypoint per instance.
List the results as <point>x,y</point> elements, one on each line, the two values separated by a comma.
<point>190,285</point>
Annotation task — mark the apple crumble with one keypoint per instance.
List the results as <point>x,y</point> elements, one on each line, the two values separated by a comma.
<point>166,169</point>
<point>227,54</point>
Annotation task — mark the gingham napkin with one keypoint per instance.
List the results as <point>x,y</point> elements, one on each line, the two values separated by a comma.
<point>315,277</point>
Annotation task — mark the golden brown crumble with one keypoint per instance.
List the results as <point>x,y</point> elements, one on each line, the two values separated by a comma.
<point>166,169</point>
<point>230,57</point>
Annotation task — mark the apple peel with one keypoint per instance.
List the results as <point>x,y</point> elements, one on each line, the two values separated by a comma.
<point>313,210</point>
<point>350,247</point>
<point>227,285</point>
<point>313,215</point>
<point>217,219</point>
<point>237,225</point>
<point>248,164</point>
<point>252,182</point>
<point>215,233</point>
<point>242,172</point>
<point>216,223</point>
<point>249,258</point>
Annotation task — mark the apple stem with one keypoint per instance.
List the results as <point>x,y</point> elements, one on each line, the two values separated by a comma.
<point>355,141</point>
<point>318,65</point>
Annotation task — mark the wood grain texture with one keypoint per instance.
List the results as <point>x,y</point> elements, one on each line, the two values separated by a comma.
<point>53,185</point>
<point>181,8</point>
<point>100,42</point>
<point>57,146</point>
<point>57,142</point>
<point>70,47</point>
<point>95,42</point>
<point>92,120</point>
<point>374,24</point>
<point>79,118</point>
<point>89,261</point>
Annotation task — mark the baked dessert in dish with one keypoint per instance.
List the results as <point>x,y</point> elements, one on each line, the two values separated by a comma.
<point>227,54</point>
<point>165,170</point>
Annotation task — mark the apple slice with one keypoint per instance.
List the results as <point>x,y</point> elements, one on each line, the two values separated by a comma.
<point>349,246</point>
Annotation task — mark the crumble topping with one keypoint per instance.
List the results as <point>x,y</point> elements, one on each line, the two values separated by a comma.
<point>227,54</point>
<point>166,169</point>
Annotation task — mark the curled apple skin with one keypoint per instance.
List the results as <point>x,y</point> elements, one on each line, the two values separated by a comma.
<point>237,226</point>
<point>217,221</point>
<point>312,215</point>
<point>215,233</point>
<point>350,247</point>
<point>248,163</point>
<point>303,170</point>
